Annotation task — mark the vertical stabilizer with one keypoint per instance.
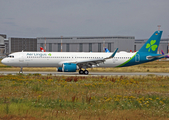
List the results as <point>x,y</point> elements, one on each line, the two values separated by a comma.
<point>152,44</point>
<point>106,50</point>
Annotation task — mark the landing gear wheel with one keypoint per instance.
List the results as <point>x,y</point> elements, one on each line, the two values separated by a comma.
<point>20,71</point>
<point>86,72</point>
<point>80,71</point>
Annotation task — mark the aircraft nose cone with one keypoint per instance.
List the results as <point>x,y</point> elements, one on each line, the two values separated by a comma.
<point>3,61</point>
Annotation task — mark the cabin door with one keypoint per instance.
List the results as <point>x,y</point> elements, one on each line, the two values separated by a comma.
<point>21,58</point>
<point>137,58</point>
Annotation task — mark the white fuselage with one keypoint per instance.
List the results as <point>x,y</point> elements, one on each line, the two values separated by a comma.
<point>56,59</point>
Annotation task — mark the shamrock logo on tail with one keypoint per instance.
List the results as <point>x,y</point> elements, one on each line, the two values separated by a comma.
<point>151,45</point>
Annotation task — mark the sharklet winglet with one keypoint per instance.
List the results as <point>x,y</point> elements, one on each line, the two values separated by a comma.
<point>114,53</point>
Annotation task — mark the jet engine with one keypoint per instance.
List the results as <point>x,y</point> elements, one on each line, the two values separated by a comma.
<point>59,69</point>
<point>68,67</point>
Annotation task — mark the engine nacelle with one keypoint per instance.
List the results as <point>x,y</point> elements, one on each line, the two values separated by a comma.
<point>59,69</point>
<point>69,67</point>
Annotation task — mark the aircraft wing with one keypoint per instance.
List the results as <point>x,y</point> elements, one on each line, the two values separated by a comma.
<point>89,63</point>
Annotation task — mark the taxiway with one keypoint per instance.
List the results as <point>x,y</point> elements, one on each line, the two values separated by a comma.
<point>90,74</point>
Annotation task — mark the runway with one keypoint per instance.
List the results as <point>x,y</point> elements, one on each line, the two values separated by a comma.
<point>90,74</point>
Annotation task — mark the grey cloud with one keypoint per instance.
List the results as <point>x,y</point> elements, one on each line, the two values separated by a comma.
<point>10,23</point>
<point>74,18</point>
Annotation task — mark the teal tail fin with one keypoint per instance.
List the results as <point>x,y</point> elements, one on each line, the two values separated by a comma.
<point>152,43</point>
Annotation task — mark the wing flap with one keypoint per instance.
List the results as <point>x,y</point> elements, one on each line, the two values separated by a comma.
<point>90,62</point>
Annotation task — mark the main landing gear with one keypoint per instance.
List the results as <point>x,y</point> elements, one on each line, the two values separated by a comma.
<point>86,72</point>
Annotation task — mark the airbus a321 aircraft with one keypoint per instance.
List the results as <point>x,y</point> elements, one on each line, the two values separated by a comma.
<point>72,61</point>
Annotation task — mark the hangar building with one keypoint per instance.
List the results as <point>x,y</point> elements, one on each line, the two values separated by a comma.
<point>2,45</point>
<point>86,44</point>
<point>75,44</point>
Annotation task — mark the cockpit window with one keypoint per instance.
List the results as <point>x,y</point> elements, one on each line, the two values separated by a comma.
<point>10,56</point>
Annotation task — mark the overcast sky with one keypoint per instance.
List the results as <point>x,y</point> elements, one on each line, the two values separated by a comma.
<point>55,18</point>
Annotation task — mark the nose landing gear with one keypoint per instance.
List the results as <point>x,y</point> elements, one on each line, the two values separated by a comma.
<point>21,70</point>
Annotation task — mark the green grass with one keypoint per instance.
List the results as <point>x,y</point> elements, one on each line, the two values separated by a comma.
<point>59,97</point>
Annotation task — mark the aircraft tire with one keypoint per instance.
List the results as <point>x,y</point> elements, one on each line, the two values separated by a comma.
<point>81,72</point>
<point>86,72</point>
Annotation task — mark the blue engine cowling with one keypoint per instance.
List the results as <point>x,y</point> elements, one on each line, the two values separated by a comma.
<point>69,67</point>
<point>59,69</point>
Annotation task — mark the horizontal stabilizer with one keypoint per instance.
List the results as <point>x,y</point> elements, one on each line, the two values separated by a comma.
<point>156,56</point>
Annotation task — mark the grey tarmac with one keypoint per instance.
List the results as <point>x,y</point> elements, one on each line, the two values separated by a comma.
<point>90,73</point>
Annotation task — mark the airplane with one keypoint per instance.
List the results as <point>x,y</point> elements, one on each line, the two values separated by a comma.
<point>132,51</point>
<point>72,61</point>
<point>167,56</point>
<point>106,50</point>
<point>42,50</point>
